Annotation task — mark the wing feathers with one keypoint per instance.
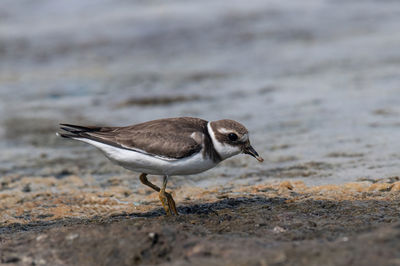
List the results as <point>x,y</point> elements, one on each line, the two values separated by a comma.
<point>166,137</point>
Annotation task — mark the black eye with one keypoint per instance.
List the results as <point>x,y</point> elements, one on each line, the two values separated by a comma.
<point>232,136</point>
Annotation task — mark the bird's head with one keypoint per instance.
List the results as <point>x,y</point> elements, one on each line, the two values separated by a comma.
<point>230,138</point>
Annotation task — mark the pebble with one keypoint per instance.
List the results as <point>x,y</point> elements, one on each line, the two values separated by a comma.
<point>41,237</point>
<point>72,236</point>
<point>278,229</point>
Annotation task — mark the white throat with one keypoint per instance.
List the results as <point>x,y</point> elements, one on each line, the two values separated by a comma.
<point>223,149</point>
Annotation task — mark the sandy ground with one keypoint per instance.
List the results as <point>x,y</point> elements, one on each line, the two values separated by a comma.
<point>277,224</point>
<point>316,82</point>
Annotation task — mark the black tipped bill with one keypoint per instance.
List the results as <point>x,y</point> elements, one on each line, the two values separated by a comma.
<point>251,151</point>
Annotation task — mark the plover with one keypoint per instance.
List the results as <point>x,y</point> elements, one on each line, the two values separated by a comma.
<point>171,146</point>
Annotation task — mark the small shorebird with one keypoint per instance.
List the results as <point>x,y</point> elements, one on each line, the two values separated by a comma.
<point>171,146</point>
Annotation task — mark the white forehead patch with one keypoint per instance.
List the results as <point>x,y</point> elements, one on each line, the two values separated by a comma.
<point>244,138</point>
<point>224,149</point>
<point>223,130</point>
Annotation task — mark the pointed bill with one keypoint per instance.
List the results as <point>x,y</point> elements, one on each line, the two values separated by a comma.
<point>251,151</point>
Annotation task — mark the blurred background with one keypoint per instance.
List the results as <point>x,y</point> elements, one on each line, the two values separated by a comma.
<point>316,82</point>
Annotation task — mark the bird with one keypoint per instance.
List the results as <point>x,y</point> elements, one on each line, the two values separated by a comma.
<point>166,147</point>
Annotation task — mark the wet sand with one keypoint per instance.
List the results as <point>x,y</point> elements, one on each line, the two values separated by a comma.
<point>278,224</point>
<point>316,83</point>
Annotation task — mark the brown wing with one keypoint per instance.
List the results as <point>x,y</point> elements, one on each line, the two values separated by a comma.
<point>165,137</point>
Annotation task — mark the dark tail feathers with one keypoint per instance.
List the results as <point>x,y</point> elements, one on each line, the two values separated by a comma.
<point>75,131</point>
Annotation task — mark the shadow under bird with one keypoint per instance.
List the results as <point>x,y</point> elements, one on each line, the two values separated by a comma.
<point>171,146</point>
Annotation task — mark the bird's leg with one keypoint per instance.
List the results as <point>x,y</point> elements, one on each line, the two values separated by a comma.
<point>146,182</point>
<point>166,199</point>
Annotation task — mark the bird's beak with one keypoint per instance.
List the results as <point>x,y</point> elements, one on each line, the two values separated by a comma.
<point>251,151</point>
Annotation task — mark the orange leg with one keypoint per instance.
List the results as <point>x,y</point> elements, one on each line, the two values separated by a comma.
<point>166,199</point>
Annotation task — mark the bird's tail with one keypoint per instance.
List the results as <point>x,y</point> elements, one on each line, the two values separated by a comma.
<point>75,131</point>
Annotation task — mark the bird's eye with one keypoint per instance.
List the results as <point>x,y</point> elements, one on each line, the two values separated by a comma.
<point>232,136</point>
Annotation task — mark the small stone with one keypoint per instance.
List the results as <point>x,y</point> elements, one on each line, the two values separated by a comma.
<point>261,224</point>
<point>41,237</point>
<point>286,185</point>
<point>312,224</point>
<point>72,236</point>
<point>278,230</point>
<point>197,249</point>
<point>27,188</point>
<point>153,237</point>
<point>380,187</point>
<point>27,260</point>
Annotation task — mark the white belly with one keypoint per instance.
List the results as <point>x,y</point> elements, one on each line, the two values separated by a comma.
<point>143,163</point>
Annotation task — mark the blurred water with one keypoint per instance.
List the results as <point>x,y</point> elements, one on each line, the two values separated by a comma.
<point>316,82</point>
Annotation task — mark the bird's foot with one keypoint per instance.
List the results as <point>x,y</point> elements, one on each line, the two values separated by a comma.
<point>168,203</point>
